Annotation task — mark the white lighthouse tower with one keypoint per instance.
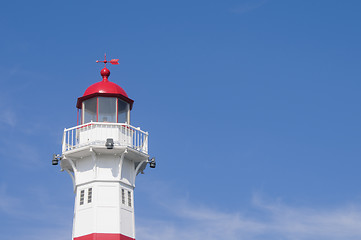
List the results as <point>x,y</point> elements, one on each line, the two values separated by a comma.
<point>103,154</point>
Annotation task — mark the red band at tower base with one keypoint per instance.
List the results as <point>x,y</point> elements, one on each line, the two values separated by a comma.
<point>104,236</point>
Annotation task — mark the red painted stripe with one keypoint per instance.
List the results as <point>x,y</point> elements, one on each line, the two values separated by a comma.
<point>104,236</point>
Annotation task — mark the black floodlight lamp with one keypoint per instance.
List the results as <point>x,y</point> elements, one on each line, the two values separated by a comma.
<point>55,160</point>
<point>110,143</point>
<point>152,163</point>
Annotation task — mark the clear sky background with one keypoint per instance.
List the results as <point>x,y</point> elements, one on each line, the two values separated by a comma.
<point>253,110</point>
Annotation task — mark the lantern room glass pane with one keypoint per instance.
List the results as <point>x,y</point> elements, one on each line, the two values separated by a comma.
<point>90,110</point>
<point>123,109</point>
<point>107,110</point>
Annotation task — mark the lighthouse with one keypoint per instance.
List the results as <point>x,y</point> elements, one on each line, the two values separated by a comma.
<point>103,154</point>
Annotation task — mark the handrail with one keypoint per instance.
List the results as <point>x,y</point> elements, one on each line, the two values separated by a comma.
<point>105,123</point>
<point>96,133</point>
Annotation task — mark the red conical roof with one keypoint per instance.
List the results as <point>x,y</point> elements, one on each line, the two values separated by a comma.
<point>104,88</point>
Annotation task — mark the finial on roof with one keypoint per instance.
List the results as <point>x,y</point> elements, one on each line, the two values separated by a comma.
<point>105,71</point>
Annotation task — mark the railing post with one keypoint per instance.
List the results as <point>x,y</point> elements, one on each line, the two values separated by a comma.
<point>67,141</point>
<point>63,147</point>
<point>145,143</point>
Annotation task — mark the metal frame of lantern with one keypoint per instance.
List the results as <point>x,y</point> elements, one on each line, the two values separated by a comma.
<point>116,106</point>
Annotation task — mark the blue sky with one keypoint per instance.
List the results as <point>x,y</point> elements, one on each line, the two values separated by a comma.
<point>253,109</point>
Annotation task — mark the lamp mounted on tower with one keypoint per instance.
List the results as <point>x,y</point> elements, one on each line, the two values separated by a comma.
<point>103,154</point>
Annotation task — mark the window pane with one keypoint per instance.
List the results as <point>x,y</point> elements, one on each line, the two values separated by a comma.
<point>122,111</point>
<point>129,199</point>
<point>90,193</point>
<point>90,110</point>
<point>107,110</point>
<point>81,197</point>
<point>123,196</point>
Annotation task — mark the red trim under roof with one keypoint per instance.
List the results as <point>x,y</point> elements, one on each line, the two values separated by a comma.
<point>117,95</point>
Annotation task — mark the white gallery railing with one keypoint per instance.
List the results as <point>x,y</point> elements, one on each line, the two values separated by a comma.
<point>96,133</point>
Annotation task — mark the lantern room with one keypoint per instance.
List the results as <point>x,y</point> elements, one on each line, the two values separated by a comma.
<point>104,101</point>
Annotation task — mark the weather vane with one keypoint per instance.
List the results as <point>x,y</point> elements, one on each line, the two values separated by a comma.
<point>113,61</point>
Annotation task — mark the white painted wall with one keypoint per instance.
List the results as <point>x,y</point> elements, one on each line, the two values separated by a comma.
<point>106,175</point>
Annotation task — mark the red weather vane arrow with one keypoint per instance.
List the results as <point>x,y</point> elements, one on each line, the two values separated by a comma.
<point>113,61</point>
